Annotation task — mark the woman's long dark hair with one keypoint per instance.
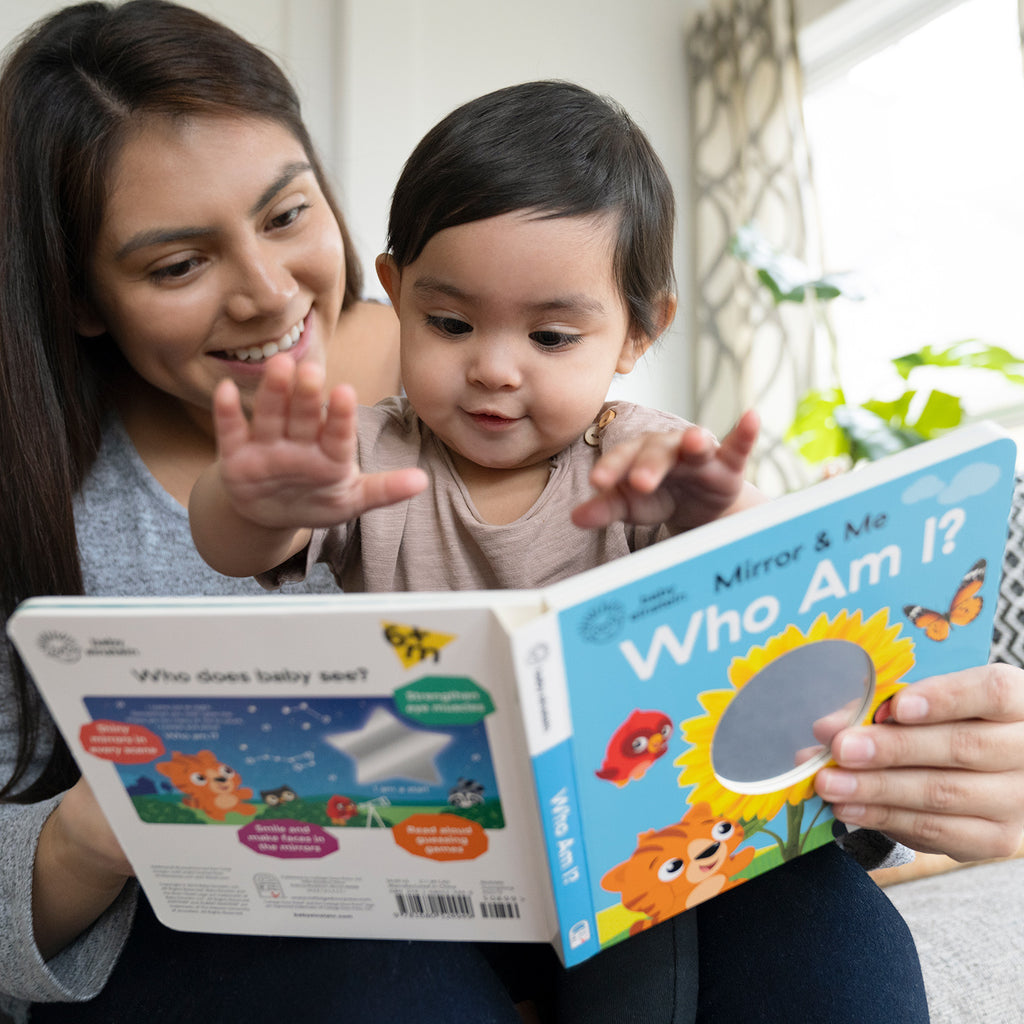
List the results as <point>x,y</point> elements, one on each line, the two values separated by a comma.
<point>71,88</point>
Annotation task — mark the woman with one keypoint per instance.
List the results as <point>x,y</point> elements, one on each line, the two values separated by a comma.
<point>166,224</point>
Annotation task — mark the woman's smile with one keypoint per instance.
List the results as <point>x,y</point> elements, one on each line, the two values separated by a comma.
<point>218,251</point>
<point>296,340</point>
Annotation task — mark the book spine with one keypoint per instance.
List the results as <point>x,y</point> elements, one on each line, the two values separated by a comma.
<point>547,719</point>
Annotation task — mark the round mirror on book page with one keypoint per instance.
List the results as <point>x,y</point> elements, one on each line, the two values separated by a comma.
<point>777,729</point>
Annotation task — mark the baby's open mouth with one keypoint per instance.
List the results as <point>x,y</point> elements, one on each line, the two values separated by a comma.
<point>258,353</point>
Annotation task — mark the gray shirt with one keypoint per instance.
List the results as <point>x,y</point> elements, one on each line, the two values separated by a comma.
<point>134,540</point>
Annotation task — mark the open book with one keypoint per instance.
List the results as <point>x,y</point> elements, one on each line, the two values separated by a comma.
<point>572,764</point>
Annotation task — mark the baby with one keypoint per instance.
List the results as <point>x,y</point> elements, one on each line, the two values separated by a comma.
<point>529,261</point>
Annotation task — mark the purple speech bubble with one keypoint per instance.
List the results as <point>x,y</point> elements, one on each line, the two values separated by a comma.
<point>285,838</point>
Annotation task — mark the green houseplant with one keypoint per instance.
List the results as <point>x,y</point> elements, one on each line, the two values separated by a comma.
<point>826,426</point>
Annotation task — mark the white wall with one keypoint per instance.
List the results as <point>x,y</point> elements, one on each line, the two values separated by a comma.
<point>411,61</point>
<point>374,75</point>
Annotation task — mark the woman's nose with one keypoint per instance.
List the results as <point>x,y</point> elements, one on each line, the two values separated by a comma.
<point>262,285</point>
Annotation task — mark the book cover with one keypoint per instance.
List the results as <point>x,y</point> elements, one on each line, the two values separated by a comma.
<point>572,765</point>
<point>678,719</point>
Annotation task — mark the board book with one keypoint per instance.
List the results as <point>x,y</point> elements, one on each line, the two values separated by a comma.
<point>571,764</point>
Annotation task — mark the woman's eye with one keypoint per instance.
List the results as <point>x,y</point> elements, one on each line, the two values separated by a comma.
<point>555,339</point>
<point>283,220</point>
<point>174,271</point>
<point>449,325</point>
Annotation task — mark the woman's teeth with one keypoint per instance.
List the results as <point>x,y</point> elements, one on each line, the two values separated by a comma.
<point>257,353</point>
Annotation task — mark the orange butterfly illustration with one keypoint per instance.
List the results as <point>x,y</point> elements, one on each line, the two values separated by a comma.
<point>963,609</point>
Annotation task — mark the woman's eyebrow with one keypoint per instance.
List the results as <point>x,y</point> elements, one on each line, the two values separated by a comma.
<point>159,236</point>
<point>288,174</point>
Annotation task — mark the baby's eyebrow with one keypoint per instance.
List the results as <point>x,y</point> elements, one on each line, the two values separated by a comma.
<point>575,302</point>
<point>426,286</point>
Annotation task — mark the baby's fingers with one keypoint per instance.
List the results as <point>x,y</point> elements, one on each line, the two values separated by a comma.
<point>305,411</point>
<point>230,427</point>
<point>338,433</point>
<point>270,404</point>
<point>391,487</point>
<point>737,445</point>
<point>643,462</point>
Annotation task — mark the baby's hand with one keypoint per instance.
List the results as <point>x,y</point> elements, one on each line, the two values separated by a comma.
<point>294,464</point>
<point>680,478</point>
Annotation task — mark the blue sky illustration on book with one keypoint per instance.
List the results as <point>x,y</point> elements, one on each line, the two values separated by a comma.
<point>315,747</point>
<point>706,626</point>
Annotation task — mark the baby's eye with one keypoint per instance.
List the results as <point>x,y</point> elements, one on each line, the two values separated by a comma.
<point>283,220</point>
<point>555,339</point>
<point>197,779</point>
<point>450,325</point>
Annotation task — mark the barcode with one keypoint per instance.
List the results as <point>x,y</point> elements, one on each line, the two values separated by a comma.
<point>433,904</point>
<point>510,909</point>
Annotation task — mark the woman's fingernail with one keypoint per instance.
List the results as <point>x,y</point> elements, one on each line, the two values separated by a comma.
<point>836,785</point>
<point>912,708</point>
<point>856,749</point>
<point>852,814</point>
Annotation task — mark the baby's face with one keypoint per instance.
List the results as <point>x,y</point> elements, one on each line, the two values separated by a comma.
<point>512,329</point>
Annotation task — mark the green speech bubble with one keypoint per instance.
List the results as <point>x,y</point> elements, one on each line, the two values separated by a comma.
<point>444,700</point>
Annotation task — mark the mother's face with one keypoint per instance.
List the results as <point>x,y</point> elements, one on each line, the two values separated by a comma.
<point>217,250</point>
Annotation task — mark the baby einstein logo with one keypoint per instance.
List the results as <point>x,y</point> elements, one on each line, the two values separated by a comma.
<point>60,646</point>
<point>603,623</point>
<point>413,645</point>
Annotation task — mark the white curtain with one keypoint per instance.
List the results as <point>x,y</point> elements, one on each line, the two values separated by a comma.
<point>750,164</point>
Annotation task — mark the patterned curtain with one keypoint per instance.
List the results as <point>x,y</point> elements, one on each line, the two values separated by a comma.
<point>750,164</point>
<point>1020,14</point>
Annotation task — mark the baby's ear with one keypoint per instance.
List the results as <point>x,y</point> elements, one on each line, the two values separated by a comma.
<point>637,343</point>
<point>666,313</point>
<point>390,277</point>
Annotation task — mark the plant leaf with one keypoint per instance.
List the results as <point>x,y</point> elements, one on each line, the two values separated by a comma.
<point>786,277</point>
<point>895,412</point>
<point>814,431</point>
<point>870,436</point>
<point>967,353</point>
<point>941,412</point>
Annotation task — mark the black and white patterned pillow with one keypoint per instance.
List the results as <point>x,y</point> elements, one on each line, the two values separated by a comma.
<point>1008,629</point>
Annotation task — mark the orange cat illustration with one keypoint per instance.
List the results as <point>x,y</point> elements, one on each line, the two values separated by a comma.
<point>675,868</point>
<point>208,784</point>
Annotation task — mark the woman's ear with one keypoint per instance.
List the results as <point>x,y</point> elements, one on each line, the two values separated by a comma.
<point>390,277</point>
<point>87,322</point>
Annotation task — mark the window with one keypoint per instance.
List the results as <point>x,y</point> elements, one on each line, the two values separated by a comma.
<point>918,160</point>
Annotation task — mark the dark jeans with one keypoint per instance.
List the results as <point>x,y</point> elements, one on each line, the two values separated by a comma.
<point>812,941</point>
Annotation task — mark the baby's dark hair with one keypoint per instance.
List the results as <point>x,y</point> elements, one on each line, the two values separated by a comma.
<point>560,150</point>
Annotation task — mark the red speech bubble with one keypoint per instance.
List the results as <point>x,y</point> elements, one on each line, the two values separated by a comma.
<point>121,742</point>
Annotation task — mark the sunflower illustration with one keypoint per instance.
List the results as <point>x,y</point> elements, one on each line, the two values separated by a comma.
<point>890,657</point>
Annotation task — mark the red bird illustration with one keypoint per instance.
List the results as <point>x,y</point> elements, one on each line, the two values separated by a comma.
<point>636,744</point>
